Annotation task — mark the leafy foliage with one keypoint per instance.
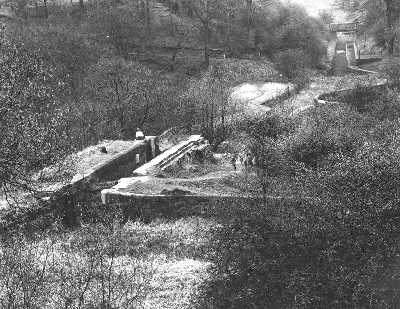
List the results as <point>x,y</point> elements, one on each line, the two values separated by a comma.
<point>294,65</point>
<point>333,249</point>
<point>327,131</point>
<point>90,268</point>
<point>380,16</point>
<point>32,126</point>
<point>126,96</point>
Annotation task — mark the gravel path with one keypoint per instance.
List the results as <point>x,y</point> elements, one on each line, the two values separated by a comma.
<point>322,84</point>
<point>251,97</point>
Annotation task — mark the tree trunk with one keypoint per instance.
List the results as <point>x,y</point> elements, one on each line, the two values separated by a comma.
<point>46,11</point>
<point>148,25</point>
<point>391,42</point>
<point>249,4</point>
<point>174,55</point>
<point>206,49</point>
<point>392,14</point>
<point>207,39</point>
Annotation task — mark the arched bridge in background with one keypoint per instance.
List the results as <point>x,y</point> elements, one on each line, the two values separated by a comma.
<point>343,51</point>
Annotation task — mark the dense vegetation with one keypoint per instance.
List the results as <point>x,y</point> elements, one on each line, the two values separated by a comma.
<point>75,75</point>
<point>80,74</point>
<point>378,19</point>
<point>335,248</point>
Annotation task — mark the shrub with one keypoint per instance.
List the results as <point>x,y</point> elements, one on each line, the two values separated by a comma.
<point>272,126</point>
<point>392,73</point>
<point>327,252</point>
<point>63,44</point>
<point>88,268</point>
<point>122,96</point>
<point>322,259</point>
<point>265,137</point>
<point>289,27</point>
<point>386,106</point>
<point>379,102</point>
<point>361,97</point>
<point>326,131</point>
<point>32,127</point>
<point>291,62</point>
<point>294,64</point>
<point>301,80</point>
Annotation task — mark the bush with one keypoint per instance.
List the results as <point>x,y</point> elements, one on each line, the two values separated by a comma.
<point>265,137</point>
<point>294,64</point>
<point>89,268</point>
<point>386,106</point>
<point>33,129</point>
<point>291,62</point>
<point>272,126</point>
<point>122,95</point>
<point>333,249</point>
<point>322,259</point>
<point>327,131</point>
<point>379,102</point>
<point>392,73</point>
<point>63,44</point>
<point>289,27</point>
<point>327,252</point>
<point>302,80</point>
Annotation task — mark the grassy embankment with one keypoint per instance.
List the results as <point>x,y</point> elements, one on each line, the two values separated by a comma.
<point>300,253</point>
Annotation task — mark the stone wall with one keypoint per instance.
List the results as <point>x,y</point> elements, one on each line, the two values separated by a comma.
<point>123,164</point>
<point>85,187</point>
<point>150,207</point>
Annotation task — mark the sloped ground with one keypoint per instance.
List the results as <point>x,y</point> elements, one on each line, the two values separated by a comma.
<point>177,251</point>
<point>223,178</point>
<point>389,284</point>
<point>322,84</point>
<point>252,97</point>
<point>380,66</point>
<point>219,177</point>
<point>184,245</point>
<point>157,265</point>
<point>174,255</point>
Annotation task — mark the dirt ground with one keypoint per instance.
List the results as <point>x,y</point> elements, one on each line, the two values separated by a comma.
<point>252,97</point>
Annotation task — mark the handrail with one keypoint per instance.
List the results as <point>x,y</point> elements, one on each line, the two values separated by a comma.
<point>183,150</point>
<point>170,155</point>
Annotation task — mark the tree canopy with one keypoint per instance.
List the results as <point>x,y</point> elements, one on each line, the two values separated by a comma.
<point>31,113</point>
<point>381,17</point>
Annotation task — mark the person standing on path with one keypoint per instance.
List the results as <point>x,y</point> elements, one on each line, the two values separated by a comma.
<point>249,160</point>
<point>233,161</point>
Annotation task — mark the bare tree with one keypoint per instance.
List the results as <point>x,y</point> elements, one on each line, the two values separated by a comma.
<point>203,10</point>
<point>128,95</point>
<point>371,12</point>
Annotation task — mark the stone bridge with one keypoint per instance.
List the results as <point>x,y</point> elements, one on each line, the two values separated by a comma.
<point>343,51</point>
